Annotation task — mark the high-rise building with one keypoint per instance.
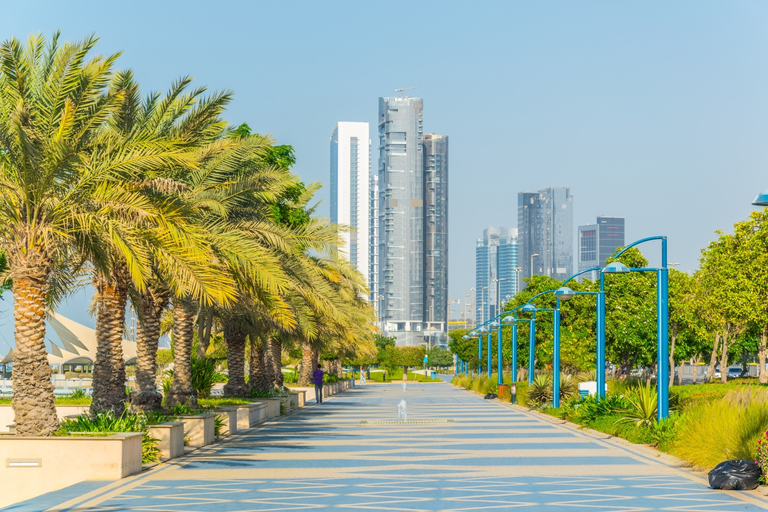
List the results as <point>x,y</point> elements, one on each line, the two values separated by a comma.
<point>412,242</point>
<point>598,242</point>
<point>545,224</point>
<point>436,231</point>
<point>350,190</point>
<point>496,271</point>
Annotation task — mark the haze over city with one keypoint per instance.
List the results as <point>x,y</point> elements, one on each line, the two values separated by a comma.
<point>652,111</point>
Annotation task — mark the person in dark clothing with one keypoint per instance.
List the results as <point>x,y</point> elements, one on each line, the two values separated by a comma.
<point>318,377</point>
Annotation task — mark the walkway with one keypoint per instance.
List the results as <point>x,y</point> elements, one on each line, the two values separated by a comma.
<point>458,452</point>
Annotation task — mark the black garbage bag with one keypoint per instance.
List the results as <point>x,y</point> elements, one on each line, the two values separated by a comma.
<point>735,475</point>
<point>490,396</point>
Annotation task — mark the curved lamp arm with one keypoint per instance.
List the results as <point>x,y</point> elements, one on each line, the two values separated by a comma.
<point>638,242</point>
<point>582,272</point>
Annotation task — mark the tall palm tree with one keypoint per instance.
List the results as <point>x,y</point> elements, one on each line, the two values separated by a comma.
<point>56,194</point>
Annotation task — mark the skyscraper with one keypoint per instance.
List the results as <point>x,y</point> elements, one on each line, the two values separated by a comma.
<point>411,296</point>
<point>496,274</point>
<point>598,242</point>
<point>436,231</point>
<point>350,190</point>
<point>545,224</point>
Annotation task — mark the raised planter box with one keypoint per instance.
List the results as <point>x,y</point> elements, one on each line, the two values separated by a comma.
<point>251,414</point>
<point>285,405</point>
<point>230,420</point>
<point>31,466</point>
<point>300,397</point>
<point>62,411</point>
<point>171,437</point>
<point>199,429</point>
<point>273,406</point>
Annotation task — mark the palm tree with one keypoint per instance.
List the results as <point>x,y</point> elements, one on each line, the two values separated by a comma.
<point>58,194</point>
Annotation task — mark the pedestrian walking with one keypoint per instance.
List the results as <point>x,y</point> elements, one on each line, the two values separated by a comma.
<point>318,377</point>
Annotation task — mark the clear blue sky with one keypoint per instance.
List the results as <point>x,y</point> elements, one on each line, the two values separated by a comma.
<point>655,111</point>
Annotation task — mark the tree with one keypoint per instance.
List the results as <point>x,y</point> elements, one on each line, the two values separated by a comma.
<point>57,193</point>
<point>722,287</point>
<point>439,357</point>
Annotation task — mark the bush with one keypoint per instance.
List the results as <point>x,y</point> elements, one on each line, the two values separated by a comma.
<point>729,428</point>
<point>642,406</point>
<point>109,423</point>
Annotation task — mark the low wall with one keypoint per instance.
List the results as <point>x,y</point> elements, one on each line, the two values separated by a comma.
<point>171,438</point>
<point>7,418</point>
<point>31,466</point>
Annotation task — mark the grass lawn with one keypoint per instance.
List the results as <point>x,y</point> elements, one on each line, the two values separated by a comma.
<point>65,400</point>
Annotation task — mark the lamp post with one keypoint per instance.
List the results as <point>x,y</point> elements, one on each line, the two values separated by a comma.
<point>471,335</point>
<point>498,281</point>
<point>662,320</point>
<point>517,279</point>
<point>533,256</point>
<point>530,308</point>
<point>564,293</point>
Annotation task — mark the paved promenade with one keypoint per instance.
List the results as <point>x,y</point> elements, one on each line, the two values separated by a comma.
<point>458,452</point>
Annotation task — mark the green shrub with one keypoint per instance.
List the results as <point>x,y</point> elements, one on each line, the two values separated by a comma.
<point>79,393</point>
<point>108,422</point>
<point>642,406</point>
<point>540,391</point>
<point>729,428</point>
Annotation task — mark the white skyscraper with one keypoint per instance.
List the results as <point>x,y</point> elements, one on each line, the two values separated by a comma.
<point>350,190</point>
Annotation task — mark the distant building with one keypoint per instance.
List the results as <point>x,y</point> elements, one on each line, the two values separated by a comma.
<point>598,242</point>
<point>496,271</point>
<point>436,231</point>
<point>350,190</point>
<point>545,225</point>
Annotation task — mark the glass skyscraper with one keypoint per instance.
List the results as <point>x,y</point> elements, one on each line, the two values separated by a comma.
<point>350,185</point>
<point>436,232</point>
<point>496,271</point>
<point>545,224</point>
<point>412,238</point>
<point>598,242</point>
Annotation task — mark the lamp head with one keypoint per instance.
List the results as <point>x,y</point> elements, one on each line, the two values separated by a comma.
<point>564,293</point>
<point>528,308</point>
<point>465,337</point>
<point>616,268</point>
<point>493,324</point>
<point>508,320</point>
<point>761,199</point>
<point>483,329</point>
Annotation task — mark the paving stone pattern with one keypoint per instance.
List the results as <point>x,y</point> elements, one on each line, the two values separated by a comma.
<point>459,453</point>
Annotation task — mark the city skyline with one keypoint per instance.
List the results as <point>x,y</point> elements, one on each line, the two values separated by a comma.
<point>635,106</point>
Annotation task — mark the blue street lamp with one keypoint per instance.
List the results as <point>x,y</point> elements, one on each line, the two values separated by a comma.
<point>495,323</point>
<point>480,330</point>
<point>564,293</point>
<point>662,319</point>
<point>555,346</point>
<point>470,336</point>
<point>530,308</point>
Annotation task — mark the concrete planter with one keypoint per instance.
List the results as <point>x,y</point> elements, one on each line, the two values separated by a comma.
<point>171,437</point>
<point>285,405</point>
<point>229,414</point>
<point>31,466</point>
<point>273,406</point>
<point>62,411</point>
<point>199,429</point>
<point>300,397</point>
<point>251,415</point>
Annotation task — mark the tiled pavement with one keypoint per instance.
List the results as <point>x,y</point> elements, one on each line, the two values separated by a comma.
<point>459,452</point>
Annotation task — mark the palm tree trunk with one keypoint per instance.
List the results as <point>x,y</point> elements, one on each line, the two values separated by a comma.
<point>150,309</point>
<point>259,378</point>
<point>305,377</point>
<point>182,391</point>
<point>109,367</point>
<point>276,357</point>
<point>235,336</point>
<point>33,402</point>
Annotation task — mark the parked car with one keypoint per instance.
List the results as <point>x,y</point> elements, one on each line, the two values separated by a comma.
<point>734,372</point>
